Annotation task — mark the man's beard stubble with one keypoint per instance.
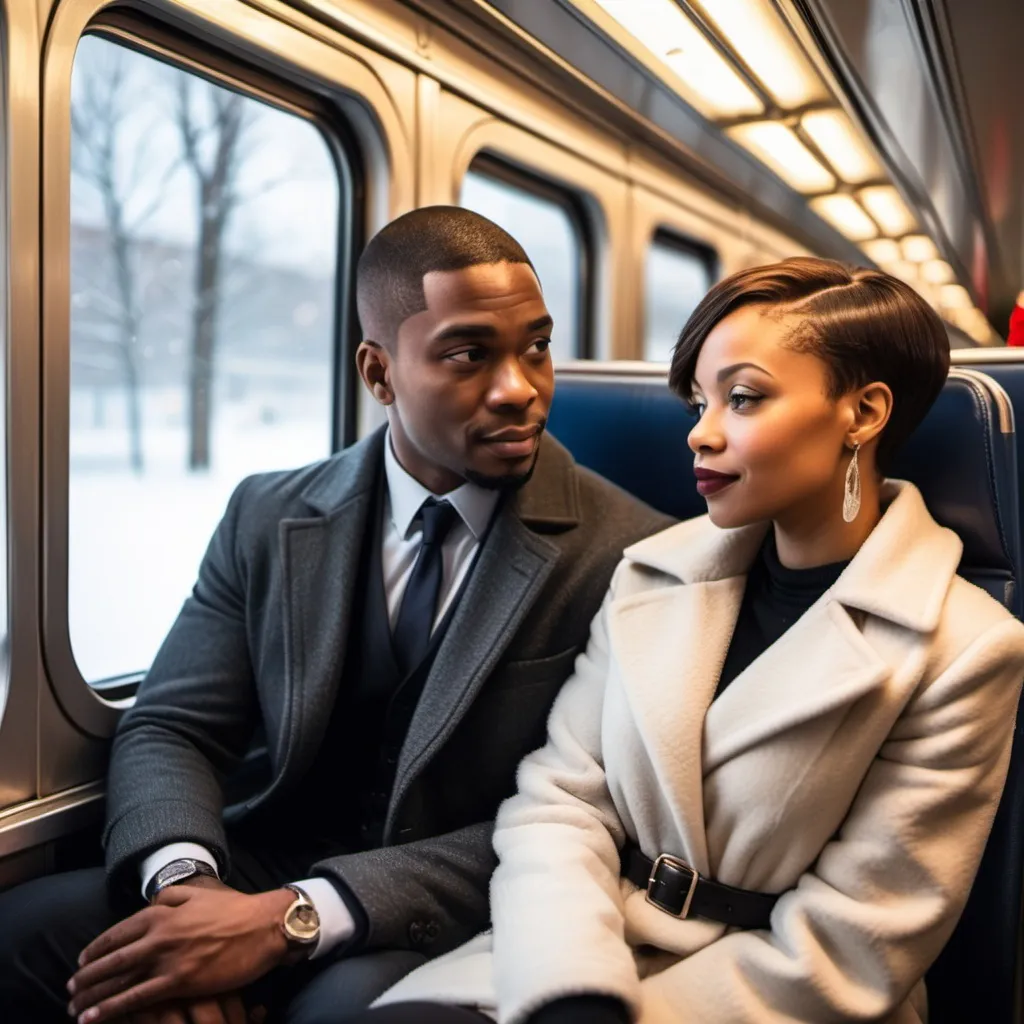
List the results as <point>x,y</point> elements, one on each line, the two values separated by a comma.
<point>505,484</point>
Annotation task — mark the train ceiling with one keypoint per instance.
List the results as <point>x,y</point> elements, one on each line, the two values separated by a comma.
<point>862,114</point>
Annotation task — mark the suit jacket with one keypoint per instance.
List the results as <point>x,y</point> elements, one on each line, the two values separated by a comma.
<point>855,766</point>
<point>261,642</point>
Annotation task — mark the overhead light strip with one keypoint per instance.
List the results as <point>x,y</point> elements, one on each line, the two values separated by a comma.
<point>819,152</point>
<point>779,148</point>
<point>846,215</point>
<point>886,206</point>
<point>751,29</point>
<point>713,85</point>
<point>840,143</point>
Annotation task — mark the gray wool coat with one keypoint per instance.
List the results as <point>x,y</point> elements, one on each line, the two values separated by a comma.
<point>261,643</point>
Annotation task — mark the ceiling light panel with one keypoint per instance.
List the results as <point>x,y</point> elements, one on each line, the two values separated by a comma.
<point>757,34</point>
<point>978,327</point>
<point>955,296</point>
<point>886,205</point>
<point>937,272</point>
<point>845,215</point>
<point>903,269</point>
<point>919,248</point>
<point>971,321</point>
<point>712,84</point>
<point>850,156</point>
<point>779,148</point>
<point>882,251</point>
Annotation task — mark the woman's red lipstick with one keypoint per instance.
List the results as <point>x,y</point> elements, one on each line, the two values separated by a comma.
<point>709,482</point>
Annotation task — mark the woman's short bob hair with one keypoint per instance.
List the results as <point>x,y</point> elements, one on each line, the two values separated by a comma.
<point>865,325</point>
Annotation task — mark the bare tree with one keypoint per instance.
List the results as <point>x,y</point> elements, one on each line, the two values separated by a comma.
<point>214,153</point>
<point>98,115</point>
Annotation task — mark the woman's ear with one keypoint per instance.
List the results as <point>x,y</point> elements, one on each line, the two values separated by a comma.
<point>373,363</point>
<point>872,409</point>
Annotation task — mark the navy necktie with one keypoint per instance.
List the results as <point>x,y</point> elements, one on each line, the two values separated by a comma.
<point>415,620</point>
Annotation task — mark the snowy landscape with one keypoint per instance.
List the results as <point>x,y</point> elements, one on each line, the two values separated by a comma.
<point>136,541</point>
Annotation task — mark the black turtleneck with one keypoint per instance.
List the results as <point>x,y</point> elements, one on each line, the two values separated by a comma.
<point>774,598</point>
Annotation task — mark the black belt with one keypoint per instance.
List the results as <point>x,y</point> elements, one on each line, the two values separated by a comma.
<point>673,886</point>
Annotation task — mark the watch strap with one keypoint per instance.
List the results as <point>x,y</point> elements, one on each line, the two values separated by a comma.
<point>176,872</point>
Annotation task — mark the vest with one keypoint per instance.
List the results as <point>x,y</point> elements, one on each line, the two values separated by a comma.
<point>344,797</point>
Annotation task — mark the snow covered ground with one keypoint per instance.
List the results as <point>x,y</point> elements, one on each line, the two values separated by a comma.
<point>136,540</point>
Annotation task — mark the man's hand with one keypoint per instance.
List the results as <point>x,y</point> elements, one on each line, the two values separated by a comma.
<point>196,942</point>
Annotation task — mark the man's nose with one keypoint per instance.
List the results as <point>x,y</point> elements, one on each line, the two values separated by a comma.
<point>511,386</point>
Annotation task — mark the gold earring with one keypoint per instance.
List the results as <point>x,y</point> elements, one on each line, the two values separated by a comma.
<point>851,495</point>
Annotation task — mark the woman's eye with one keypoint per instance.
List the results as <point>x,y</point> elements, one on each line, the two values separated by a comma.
<point>744,399</point>
<point>467,355</point>
<point>696,408</point>
<point>539,347</point>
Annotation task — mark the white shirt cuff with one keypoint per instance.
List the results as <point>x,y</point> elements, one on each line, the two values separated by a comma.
<point>336,921</point>
<point>171,852</point>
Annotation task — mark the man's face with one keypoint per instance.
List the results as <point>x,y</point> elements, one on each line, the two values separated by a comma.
<point>468,381</point>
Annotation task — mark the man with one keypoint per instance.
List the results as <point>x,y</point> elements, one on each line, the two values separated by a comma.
<point>392,625</point>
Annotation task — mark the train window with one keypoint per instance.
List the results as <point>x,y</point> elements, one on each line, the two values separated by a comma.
<point>204,237</point>
<point>677,275</point>
<point>550,225</point>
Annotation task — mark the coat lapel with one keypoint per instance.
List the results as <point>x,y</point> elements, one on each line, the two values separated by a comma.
<point>320,567</point>
<point>671,641</point>
<point>821,663</point>
<point>513,565</point>
<point>670,680</point>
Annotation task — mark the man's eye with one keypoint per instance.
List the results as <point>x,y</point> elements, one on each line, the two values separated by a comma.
<point>468,355</point>
<point>539,347</point>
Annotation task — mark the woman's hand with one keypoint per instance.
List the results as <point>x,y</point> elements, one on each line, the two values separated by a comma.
<point>226,1010</point>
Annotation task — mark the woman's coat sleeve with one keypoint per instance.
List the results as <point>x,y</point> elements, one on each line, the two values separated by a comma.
<point>555,898</point>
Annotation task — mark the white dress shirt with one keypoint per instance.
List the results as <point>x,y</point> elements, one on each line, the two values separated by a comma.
<point>403,534</point>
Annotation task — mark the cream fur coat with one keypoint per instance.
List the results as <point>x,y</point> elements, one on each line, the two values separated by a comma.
<point>855,765</point>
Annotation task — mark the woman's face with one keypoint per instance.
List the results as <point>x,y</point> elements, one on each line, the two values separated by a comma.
<point>767,426</point>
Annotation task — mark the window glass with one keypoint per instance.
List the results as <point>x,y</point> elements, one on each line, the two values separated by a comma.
<point>203,243</point>
<point>677,276</point>
<point>545,229</point>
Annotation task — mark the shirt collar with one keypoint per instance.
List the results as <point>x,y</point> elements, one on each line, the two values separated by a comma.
<point>474,504</point>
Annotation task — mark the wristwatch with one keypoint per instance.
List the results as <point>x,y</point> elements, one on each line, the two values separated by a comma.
<point>301,924</point>
<point>175,873</point>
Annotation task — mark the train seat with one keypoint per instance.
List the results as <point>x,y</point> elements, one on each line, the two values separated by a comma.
<point>1009,374</point>
<point>622,421</point>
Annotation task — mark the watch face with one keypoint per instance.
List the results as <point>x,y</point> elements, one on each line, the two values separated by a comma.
<point>302,922</point>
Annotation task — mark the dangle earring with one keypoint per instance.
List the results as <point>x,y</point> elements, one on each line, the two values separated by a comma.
<point>851,496</point>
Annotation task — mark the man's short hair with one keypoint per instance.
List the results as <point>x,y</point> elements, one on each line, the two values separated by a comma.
<point>389,277</point>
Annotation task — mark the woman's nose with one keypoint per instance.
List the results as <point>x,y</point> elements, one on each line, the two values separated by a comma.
<point>705,435</point>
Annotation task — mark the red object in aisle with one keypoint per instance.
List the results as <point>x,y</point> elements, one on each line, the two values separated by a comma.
<point>1016,335</point>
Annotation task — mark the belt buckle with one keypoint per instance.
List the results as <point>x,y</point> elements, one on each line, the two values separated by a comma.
<point>667,869</point>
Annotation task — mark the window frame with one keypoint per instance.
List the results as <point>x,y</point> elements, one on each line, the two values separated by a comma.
<point>96,706</point>
<point>489,164</point>
<point>669,238</point>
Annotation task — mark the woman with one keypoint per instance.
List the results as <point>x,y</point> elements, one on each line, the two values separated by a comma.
<point>794,696</point>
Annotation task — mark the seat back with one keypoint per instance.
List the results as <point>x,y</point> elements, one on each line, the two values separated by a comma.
<point>1006,368</point>
<point>621,421</point>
